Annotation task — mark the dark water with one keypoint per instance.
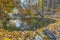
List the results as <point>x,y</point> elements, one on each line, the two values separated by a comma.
<point>30,24</point>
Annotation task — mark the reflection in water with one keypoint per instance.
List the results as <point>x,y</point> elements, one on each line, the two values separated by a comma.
<point>27,25</point>
<point>19,23</point>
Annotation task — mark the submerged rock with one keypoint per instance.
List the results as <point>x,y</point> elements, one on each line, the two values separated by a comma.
<point>17,24</point>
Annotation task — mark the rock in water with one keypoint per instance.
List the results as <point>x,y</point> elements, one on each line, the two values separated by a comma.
<point>37,37</point>
<point>18,24</point>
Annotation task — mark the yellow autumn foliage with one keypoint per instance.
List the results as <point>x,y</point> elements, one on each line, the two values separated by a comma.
<point>1,34</point>
<point>7,4</point>
<point>7,39</point>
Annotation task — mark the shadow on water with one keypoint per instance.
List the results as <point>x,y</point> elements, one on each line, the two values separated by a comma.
<point>32,24</point>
